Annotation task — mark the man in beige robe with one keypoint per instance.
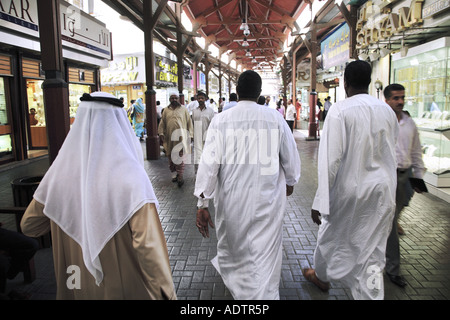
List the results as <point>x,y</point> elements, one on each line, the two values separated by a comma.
<point>99,204</point>
<point>136,263</point>
<point>176,131</point>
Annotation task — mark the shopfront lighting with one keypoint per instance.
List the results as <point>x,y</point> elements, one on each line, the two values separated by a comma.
<point>404,49</point>
<point>363,56</point>
<point>379,87</point>
<point>384,52</point>
<point>374,55</point>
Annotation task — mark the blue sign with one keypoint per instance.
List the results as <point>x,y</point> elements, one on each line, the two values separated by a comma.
<point>335,48</point>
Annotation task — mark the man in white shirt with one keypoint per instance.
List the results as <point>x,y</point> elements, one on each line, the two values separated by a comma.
<point>232,103</point>
<point>249,165</point>
<point>355,199</point>
<point>201,116</point>
<point>192,105</point>
<point>409,155</point>
<point>290,115</point>
<point>326,107</point>
<point>210,103</point>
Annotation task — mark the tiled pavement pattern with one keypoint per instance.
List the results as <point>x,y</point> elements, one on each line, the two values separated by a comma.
<point>425,248</point>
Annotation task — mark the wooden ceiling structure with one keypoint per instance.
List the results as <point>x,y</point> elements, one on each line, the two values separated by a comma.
<point>266,35</point>
<point>262,34</point>
<point>265,25</point>
<point>252,32</point>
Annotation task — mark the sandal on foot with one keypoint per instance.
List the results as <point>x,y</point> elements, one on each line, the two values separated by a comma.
<point>310,275</point>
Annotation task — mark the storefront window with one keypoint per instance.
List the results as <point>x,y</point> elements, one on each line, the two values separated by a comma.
<point>426,78</point>
<point>36,113</point>
<point>76,91</point>
<point>5,128</point>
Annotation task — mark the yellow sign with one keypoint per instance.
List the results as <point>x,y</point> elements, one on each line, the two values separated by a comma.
<point>376,22</point>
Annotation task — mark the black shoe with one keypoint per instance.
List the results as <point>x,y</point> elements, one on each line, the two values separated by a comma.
<point>180,182</point>
<point>175,179</point>
<point>397,280</point>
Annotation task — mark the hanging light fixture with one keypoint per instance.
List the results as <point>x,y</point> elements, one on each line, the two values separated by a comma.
<point>363,56</point>
<point>248,54</point>
<point>245,43</point>
<point>404,49</point>
<point>254,60</point>
<point>384,52</point>
<point>374,55</point>
<point>244,25</point>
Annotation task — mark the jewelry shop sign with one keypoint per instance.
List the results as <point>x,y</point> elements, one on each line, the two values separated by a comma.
<point>79,30</point>
<point>380,19</point>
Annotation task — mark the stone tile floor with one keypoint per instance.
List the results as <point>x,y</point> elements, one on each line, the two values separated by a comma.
<point>425,247</point>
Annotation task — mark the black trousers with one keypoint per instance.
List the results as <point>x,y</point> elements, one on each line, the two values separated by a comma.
<point>290,124</point>
<point>16,250</point>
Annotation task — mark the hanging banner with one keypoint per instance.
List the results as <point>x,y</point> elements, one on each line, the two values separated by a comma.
<point>335,48</point>
<point>166,72</point>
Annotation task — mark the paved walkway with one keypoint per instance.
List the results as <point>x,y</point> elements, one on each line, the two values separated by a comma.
<point>425,248</point>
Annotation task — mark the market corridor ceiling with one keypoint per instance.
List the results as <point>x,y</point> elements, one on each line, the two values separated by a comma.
<point>251,31</point>
<point>229,24</point>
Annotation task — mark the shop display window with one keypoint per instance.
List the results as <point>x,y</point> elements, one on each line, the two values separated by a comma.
<point>5,127</point>
<point>76,91</point>
<point>36,114</point>
<point>36,106</point>
<point>426,78</point>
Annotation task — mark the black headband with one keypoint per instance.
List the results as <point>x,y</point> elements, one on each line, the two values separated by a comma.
<point>115,102</point>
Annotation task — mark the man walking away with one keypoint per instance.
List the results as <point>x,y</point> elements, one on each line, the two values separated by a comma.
<point>249,165</point>
<point>355,199</point>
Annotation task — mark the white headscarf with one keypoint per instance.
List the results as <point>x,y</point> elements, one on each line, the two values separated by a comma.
<point>98,181</point>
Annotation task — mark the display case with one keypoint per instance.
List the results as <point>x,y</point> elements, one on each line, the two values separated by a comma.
<point>36,114</point>
<point>425,74</point>
<point>76,91</point>
<point>5,126</point>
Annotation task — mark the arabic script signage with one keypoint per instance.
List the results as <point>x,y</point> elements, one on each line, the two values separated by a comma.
<point>124,70</point>
<point>166,71</point>
<point>79,30</point>
<point>335,48</point>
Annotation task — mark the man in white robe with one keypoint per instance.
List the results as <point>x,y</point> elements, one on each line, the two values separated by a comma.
<point>356,189</point>
<point>249,164</point>
<point>201,116</point>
